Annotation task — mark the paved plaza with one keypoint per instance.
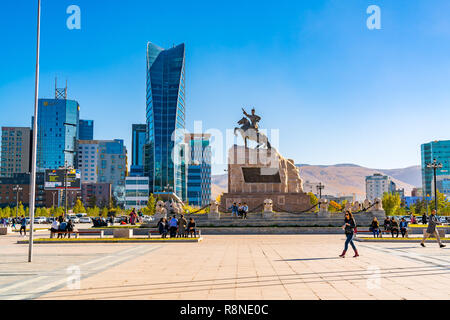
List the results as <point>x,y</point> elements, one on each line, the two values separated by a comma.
<point>250,267</point>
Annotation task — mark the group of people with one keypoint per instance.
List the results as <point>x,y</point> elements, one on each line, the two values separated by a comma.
<point>239,210</point>
<point>13,222</point>
<point>396,227</point>
<point>177,227</point>
<point>391,225</point>
<point>62,227</point>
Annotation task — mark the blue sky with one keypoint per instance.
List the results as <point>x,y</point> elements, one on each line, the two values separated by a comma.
<point>338,92</point>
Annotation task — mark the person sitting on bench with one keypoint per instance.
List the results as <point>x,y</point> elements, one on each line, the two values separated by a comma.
<point>403,227</point>
<point>191,227</point>
<point>55,226</point>
<point>375,227</point>
<point>394,227</point>
<point>69,227</point>
<point>62,228</point>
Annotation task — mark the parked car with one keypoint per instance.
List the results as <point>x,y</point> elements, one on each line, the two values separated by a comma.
<point>74,218</point>
<point>85,220</point>
<point>442,219</point>
<point>40,220</point>
<point>147,219</point>
<point>81,215</point>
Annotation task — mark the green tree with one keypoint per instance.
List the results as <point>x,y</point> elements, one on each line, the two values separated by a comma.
<point>391,203</point>
<point>313,201</point>
<point>151,205</point>
<point>21,211</point>
<point>92,201</point>
<point>79,208</point>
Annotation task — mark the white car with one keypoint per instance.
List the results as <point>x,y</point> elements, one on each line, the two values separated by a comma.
<point>74,219</point>
<point>40,220</point>
<point>85,220</point>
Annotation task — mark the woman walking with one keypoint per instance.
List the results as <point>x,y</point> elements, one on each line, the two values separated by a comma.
<point>349,228</point>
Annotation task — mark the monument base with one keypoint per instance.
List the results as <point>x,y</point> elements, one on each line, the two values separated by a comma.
<point>282,202</point>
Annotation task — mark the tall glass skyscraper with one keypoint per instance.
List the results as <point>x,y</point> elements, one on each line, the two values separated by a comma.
<point>58,122</point>
<point>165,119</point>
<point>199,169</point>
<point>138,142</point>
<point>439,150</point>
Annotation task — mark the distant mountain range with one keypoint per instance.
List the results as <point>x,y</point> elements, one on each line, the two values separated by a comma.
<point>341,179</point>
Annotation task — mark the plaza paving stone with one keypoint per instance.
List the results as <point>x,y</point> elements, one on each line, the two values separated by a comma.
<point>253,267</point>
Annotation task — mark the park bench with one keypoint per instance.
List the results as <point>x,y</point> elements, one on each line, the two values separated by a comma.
<point>101,233</point>
<point>380,230</point>
<point>156,232</point>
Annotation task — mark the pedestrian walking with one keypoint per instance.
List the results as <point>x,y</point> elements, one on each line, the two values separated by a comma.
<point>349,228</point>
<point>433,222</point>
<point>23,226</point>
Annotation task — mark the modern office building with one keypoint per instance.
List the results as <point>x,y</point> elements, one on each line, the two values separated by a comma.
<point>58,123</point>
<point>136,192</point>
<point>165,115</point>
<point>104,161</point>
<point>16,151</point>
<point>199,169</point>
<point>439,150</point>
<point>138,141</point>
<point>377,185</point>
<point>9,195</point>
<point>86,130</point>
<point>99,192</point>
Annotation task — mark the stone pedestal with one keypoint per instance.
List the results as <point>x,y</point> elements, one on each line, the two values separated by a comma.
<point>4,231</point>
<point>214,216</point>
<point>255,175</point>
<point>123,233</point>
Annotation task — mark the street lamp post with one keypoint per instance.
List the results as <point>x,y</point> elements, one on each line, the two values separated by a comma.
<point>320,187</point>
<point>435,165</point>
<point>17,189</point>
<point>34,143</point>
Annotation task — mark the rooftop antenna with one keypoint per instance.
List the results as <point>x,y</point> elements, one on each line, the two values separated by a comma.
<point>60,93</point>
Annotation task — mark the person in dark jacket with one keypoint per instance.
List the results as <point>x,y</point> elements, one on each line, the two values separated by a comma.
<point>432,230</point>
<point>349,228</point>
<point>403,227</point>
<point>394,227</point>
<point>375,227</point>
<point>191,227</point>
<point>387,224</point>
<point>163,227</point>
<point>424,218</point>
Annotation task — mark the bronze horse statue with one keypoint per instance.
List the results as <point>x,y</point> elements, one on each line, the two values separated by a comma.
<point>249,133</point>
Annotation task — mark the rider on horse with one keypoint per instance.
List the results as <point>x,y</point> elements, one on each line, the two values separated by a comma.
<point>254,119</point>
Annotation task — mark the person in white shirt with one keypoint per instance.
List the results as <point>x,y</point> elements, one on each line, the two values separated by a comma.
<point>55,226</point>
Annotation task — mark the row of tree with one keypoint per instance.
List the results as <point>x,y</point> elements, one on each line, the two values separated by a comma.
<point>394,205</point>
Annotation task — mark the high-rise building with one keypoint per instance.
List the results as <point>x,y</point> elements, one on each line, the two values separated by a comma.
<point>136,192</point>
<point>138,142</point>
<point>58,122</point>
<point>104,161</point>
<point>377,185</point>
<point>98,193</point>
<point>16,151</point>
<point>165,120</point>
<point>439,150</point>
<point>86,130</point>
<point>199,169</point>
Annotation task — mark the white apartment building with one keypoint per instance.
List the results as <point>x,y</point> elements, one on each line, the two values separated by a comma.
<point>378,184</point>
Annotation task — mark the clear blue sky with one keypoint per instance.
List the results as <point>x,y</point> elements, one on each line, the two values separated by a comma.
<point>338,92</point>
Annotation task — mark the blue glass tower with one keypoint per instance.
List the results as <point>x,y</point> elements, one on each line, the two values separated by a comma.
<point>86,130</point>
<point>58,121</point>
<point>138,142</point>
<point>439,150</point>
<point>199,169</point>
<point>165,119</point>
